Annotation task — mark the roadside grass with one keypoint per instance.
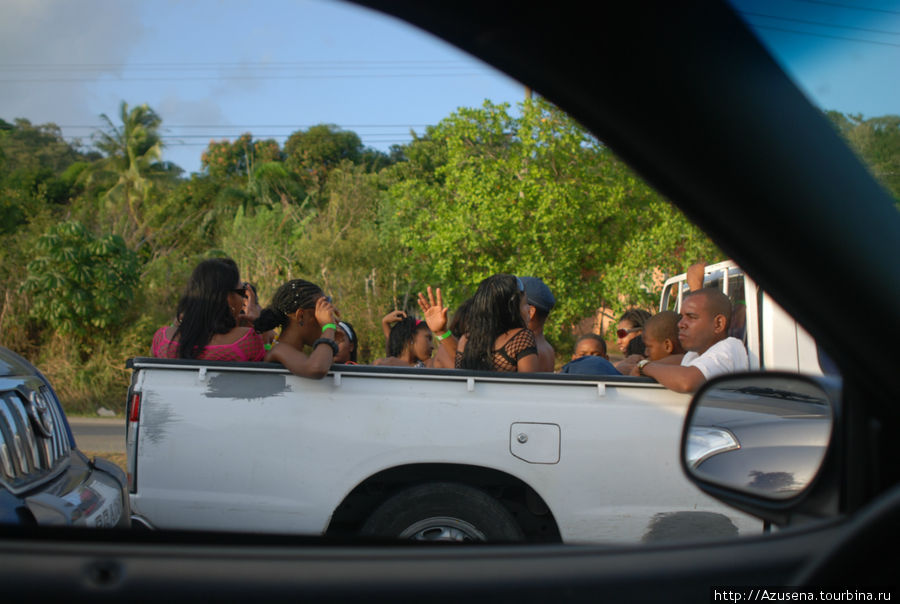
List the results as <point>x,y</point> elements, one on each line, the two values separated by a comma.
<point>117,458</point>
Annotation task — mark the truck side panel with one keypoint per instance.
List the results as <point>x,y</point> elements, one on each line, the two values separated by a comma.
<point>272,452</point>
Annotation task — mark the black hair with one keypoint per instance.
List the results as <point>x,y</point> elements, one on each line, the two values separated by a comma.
<point>636,316</point>
<point>351,335</point>
<point>403,332</point>
<point>203,310</point>
<point>494,311</point>
<point>289,297</point>
<point>664,326</point>
<point>636,346</point>
<point>593,336</point>
<point>458,323</point>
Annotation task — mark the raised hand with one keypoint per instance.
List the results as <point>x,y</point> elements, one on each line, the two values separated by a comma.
<point>434,311</point>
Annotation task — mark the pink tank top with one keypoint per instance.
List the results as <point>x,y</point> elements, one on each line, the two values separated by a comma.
<point>250,347</point>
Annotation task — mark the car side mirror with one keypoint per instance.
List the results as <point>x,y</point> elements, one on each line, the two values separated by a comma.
<point>760,441</point>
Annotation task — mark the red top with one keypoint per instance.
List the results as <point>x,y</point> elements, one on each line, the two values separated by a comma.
<point>250,347</point>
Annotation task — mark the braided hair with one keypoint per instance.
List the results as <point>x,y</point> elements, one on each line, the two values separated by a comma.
<point>289,297</point>
<point>494,311</point>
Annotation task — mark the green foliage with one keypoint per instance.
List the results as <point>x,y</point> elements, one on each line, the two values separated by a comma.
<point>877,142</point>
<point>485,192</point>
<point>95,248</point>
<point>81,285</point>
<point>224,159</point>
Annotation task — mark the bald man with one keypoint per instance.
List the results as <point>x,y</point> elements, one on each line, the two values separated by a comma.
<point>703,332</point>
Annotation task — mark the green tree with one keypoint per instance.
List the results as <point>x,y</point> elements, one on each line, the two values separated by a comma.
<point>486,192</point>
<point>314,152</point>
<point>132,158</point>
<point>877,142</point>
<point>81,285</point>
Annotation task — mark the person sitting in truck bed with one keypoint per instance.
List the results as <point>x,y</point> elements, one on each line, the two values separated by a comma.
<point>444,356</point>
<point>540,302</point>
<point>590,357</point>
<point>346,339</point>
<point>207,316</point>
<point>409,342</point>
<point>661,341</point>
<point>496,337</point>
<point>629,338</point>
<point>703,332</point>
<point>307,318</point>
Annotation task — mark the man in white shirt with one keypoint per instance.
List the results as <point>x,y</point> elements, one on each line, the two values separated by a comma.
<point>703,332</point>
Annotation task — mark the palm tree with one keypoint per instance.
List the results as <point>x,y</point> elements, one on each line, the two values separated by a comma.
<point>133,151</point>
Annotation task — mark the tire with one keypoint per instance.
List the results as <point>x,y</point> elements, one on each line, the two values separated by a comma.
<point>443,511</point>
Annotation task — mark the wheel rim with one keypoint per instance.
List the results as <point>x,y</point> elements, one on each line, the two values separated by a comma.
<point>442,528</point>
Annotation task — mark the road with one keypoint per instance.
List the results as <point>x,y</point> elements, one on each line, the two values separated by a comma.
<point>99,435</point>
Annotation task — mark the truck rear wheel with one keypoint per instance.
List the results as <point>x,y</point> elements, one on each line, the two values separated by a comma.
<point>443,511</point>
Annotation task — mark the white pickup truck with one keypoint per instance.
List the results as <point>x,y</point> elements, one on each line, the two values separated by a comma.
<point>432,453</point>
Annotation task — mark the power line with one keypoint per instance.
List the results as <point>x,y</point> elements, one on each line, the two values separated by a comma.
<point>831,37</point>
<point>808,22</point>
<point>851,6</point>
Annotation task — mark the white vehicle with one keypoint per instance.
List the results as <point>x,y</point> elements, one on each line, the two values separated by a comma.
<point>430,454</point>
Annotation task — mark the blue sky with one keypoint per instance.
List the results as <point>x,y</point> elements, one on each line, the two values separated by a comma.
<point>214,69</point>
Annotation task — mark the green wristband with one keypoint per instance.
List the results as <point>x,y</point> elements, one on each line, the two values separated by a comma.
<point>445,336</point>
<point>329,326</point>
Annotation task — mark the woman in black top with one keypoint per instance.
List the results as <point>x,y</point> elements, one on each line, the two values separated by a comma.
<point>496,337</point>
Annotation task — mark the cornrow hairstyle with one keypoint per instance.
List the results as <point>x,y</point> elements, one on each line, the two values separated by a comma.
<point>403,332</point>
<point>494,311</point>
<point>289,297</point>
<point>636,316</point>
<point>203,310</point>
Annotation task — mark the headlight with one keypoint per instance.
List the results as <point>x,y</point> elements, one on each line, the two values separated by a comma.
<point>706,441</point>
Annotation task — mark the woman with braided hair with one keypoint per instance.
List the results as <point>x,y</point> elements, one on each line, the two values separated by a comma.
<point>307,318</point>
<point>496,337</point>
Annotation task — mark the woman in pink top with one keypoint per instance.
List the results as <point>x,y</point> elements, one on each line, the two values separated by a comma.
<point>208,313</point>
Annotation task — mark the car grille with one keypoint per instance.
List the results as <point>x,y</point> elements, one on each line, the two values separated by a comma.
<point>33,437</point>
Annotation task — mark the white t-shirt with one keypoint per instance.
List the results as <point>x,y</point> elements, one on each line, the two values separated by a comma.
<point>725,356</point>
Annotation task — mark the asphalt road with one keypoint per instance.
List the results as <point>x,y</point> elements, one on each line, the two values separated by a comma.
<point>99,435</point>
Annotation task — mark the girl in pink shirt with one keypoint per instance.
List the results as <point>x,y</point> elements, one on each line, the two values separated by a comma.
<point>208,313</point>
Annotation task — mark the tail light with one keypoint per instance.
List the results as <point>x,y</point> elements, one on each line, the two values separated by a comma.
<point>131,433</point>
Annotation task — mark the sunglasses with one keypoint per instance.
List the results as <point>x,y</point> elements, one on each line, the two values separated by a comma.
<point>241,291</point>
<point>624,332</point>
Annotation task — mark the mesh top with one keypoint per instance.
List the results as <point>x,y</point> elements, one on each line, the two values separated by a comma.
<point>250,347</point>
<point>506,358</point>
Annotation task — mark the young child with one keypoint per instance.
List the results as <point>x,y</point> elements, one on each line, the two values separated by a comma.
<point>590,344</point>
<point>661,338</point>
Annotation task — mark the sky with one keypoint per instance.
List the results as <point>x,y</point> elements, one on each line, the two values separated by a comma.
<point>214,69</point>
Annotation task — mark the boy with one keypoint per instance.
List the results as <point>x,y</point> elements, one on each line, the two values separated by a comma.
<point>661,339</point>
<point>590,344</point>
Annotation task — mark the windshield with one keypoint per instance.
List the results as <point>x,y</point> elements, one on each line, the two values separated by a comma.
<point>315,172</point>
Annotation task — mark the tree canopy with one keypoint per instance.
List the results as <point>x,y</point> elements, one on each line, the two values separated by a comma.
<point>96,244</point>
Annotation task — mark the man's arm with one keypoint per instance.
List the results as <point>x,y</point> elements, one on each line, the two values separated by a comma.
<point>675,377</point>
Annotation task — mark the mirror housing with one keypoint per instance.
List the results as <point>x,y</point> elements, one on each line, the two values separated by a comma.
<point>767,444</point>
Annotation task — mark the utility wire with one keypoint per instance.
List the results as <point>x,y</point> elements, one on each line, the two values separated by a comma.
<point>808,22</point>
<point>831,37</point>
<point>851,6</point>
